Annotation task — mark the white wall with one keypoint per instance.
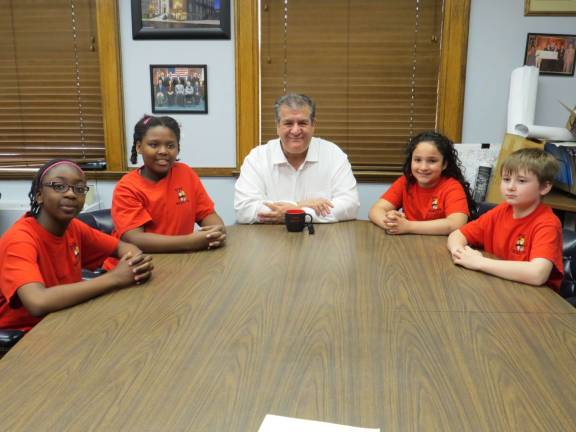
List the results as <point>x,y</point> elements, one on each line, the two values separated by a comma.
<point>497,40</point>
<point>496,46</point>
<point>207,140</point>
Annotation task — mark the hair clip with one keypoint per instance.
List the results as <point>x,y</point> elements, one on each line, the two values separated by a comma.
<point>147,120</point>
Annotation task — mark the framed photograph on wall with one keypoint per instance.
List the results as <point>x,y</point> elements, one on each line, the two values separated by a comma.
<point>181,19</point>
<point>179,89</point>
<point>553,54</point>
<point>550,7</point>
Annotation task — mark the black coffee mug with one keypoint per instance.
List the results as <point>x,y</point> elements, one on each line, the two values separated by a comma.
<point>296,220</point>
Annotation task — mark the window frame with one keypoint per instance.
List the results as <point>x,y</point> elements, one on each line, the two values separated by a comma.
<point>108,41</point>
<point>451,79</point>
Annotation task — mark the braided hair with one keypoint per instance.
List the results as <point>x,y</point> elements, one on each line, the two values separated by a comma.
<point>37,184</point>
<point>148,122</point>
<point>449,154</point>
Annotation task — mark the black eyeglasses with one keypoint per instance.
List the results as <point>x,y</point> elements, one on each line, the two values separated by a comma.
<point>65,187</point>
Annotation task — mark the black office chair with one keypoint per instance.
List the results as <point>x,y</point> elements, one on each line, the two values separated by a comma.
<point>568,286</point>
<point>8,339</point>
<point>100,220</point>
<point>482,208</point>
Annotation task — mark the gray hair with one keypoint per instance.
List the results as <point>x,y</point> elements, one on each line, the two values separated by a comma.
<point>295,100</point>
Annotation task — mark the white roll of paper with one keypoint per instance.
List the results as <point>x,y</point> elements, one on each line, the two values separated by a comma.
<point>543,132</point>
<point>522,98</point>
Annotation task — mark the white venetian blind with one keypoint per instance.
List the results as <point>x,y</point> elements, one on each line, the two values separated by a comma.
<point>370,65</point>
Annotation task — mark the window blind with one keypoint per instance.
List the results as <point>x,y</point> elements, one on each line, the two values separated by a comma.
<point>371,66</point>
<point>50,102</point>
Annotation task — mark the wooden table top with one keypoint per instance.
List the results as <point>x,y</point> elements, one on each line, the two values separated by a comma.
<point>348,326</point>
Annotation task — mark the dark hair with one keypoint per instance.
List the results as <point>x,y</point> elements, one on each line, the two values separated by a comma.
<point>36,184</point>
<point>148,122</point>
<point>295,100</point>
<point>449,154</point>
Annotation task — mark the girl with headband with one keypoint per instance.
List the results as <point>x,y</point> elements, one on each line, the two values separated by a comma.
<point>43,253</point>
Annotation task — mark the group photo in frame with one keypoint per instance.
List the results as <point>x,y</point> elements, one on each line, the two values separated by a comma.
<point>181,19</point>
<point>179,89</point>
<point>553,54</point>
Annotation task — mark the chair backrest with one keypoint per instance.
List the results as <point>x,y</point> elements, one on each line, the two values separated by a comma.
<point>483,207</point>
<point>8,339</point>
<point>568,287</point>
<point>98,219</point>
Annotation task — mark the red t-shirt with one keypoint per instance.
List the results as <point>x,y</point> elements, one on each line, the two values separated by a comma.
<point>29,253</point>
<point>170,206</point>
<point>538,235</point>
<point>422,204</point>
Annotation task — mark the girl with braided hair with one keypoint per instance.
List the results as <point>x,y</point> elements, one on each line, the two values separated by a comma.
<point>157,206</point>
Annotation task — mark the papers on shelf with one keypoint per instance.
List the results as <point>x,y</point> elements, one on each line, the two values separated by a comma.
<point>522,97</point>
<point>274,423</point>
<point>522,108</point>
<point>473,156</point>
<point>543,132</point>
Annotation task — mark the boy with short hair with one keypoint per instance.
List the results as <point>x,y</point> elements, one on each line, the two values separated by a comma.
<point>524,234</point>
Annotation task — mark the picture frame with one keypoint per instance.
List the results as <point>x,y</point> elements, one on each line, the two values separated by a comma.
<point>181,19</point>
<point>553,54</point>
<point>549,7</point>
<point>179,89</point>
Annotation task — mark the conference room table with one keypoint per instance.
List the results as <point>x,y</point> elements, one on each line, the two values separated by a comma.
<point>348,325</point>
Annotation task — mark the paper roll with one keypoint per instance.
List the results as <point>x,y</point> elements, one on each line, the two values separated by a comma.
<point>543,132</point>
<point>522,98</point>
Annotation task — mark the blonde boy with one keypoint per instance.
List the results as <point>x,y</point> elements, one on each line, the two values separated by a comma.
<point>522,233</point>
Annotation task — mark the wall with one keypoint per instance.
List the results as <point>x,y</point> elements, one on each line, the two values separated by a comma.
<point>208,140</point>
<point>496,46</point>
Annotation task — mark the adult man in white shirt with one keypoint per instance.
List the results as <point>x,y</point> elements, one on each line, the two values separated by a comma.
<point>296,170</point>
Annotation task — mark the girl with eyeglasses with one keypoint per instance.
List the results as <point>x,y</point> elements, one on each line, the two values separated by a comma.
<point>43,253</point>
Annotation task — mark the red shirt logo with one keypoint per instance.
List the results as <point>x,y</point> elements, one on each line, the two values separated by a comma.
<point>75,251</point>
<point>519,245</point>
<point>182,198</point>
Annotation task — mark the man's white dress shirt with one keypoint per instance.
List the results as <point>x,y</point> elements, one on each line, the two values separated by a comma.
<point>266,176</point>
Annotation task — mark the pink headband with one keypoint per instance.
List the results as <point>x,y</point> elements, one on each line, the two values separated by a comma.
<point>55,164</point>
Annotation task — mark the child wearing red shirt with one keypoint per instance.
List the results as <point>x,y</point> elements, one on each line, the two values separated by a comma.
<point>522,233</point>
<point>432,193</point>
<point>157,206</point>
<point>42,254</point>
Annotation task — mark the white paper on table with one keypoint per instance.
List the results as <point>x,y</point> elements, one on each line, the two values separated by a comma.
<point>522,97</point>
<point>543,132</point>
<point>274,423</point>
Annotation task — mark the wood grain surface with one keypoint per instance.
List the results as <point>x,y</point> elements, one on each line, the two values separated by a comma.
<point>348,326</point>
